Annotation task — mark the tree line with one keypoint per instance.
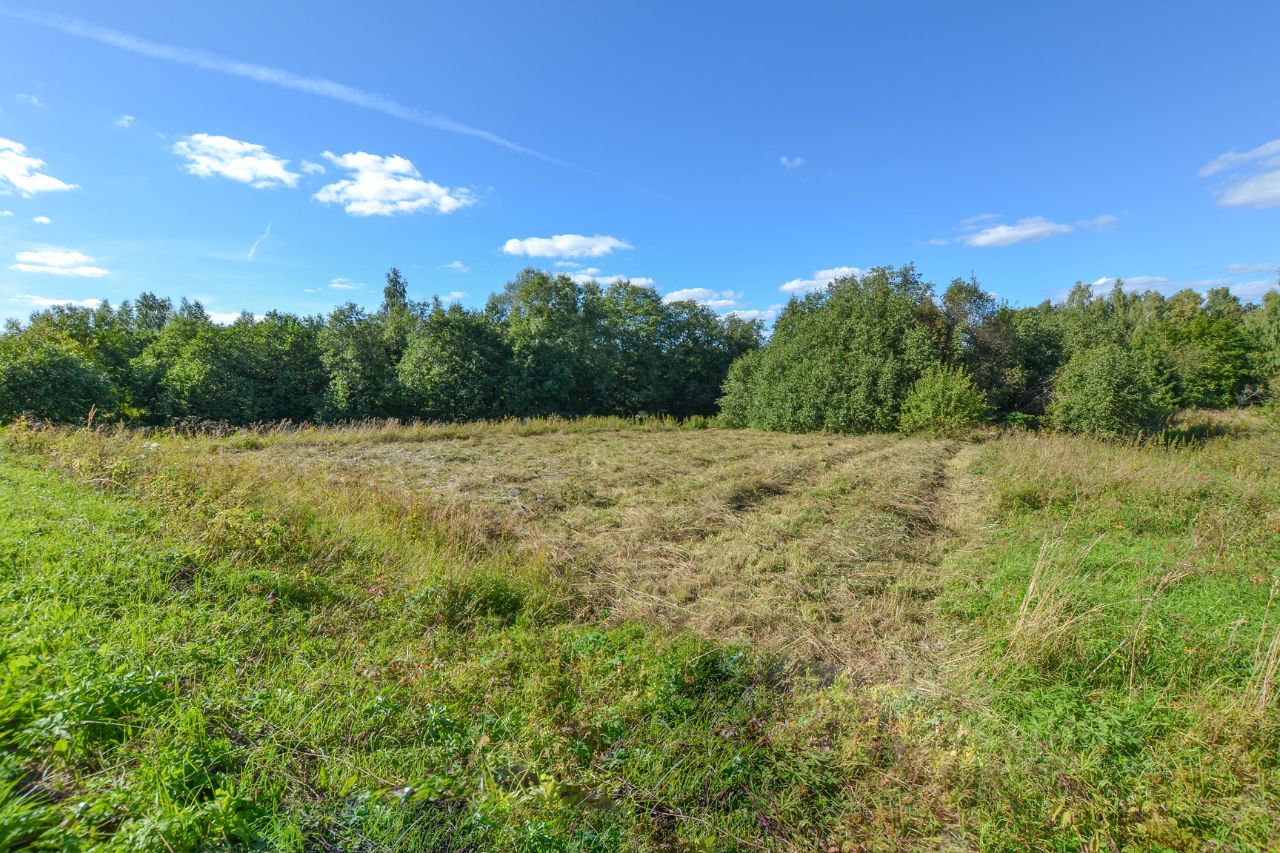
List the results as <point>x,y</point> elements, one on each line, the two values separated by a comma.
<point>875,352</point>
<point>881,351</point>
<point>545,345</point>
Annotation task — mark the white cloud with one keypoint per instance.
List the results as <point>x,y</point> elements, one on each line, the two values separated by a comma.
<point>1104,221</point>
<point>265,74</point>
<point>791,162</point>
<point>453,296</point>
<point>124,121</point>
<point>1166,285</point>
<point>1023,231</point>
<point>457,266</point>
<point>245,162</point>
<point>226,318</point>
<point>253,250</point>
<point>821,280</point>
<point>313,168</point>
<point>937,241</point>
<point>719,299</point>
<point>21,172</point>
<point>568,264</point>
<point>593,274</point>
<point>345,284</point>
<point>1148,282</point>
<point>766,314</point>
<point>6,213</point>
<point>33,100</point>
<point>565,246</point>
<point>45,302</point>
<point>1259,189</point>
<point>971,223</point>
<point>382,186</point>
<point>1249,269</point>
<point>42,220</point>
<point>1267,154</point>
<point>58,262</point>
<point>1254,290</point>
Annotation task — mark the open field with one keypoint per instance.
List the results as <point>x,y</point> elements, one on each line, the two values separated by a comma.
<point>817,547</point>
<point>600,635</point>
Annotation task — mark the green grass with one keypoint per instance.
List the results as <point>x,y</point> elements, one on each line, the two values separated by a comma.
<point>208,645</point>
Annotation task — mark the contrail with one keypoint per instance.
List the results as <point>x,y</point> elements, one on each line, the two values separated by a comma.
<point>266,74</point>
<point>254,247</point>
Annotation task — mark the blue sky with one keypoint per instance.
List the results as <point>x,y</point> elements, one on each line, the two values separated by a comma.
<point>258,156</point>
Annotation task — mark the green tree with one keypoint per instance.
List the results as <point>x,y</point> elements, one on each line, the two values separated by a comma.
<point>280,358</point>
<point>1106,391</point>
<point>552,325</point>
<point>362,377</point>
<point>46,373</point>
<point>1262,331</point>
<point>456,366</point>
<point>843,359</point>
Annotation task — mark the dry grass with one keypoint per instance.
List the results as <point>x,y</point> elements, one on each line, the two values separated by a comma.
<point>819,547</point>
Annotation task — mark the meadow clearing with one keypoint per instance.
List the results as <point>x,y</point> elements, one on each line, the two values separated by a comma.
<point>608,634</point>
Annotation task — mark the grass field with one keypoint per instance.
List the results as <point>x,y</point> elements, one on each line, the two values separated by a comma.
<point>602,635</point>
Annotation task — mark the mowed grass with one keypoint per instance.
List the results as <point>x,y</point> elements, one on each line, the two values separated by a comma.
<point>818,548</point>
<point>602,635</point>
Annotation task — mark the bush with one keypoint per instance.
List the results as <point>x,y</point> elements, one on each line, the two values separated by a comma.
<point>50,377</point>
<point>945,401</point>
<point>1106,391</point>
<point>841,360</point>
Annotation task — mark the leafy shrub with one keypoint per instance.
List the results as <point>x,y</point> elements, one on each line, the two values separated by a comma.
<point>50,377</point>
<point>945,401</point>
<point>841,360</point>
<point>1106,391</point>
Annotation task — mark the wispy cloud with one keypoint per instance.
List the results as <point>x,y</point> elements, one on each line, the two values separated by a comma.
<point>42,220</point>
<point>457,266</point>
<point>33,100</point>
<point>313,168</point>
<point>765,314</point>
<point>1106,220</point>
<point>983,230</point>
<point>453,296</point>
<point>253,250</point>
<point>1167,285</point>
<point>344,284</point>
<point>1260,184</point>
<point>565,246</point>
<point>124,121</point>
<point>67,262</point>
<point>791,162</point>
<point>22,172</point>
<point>266,74</point>
<point>382,186</point>
<point>246,162</point>
<point>719,299</point>
<point>1250,269</point>
<point>36,301</point>
<point>1023,231</point>
<point>821,280</point>
<point>593,274</point>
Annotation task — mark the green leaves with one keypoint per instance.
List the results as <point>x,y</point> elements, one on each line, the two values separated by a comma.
<point>1106,391</point>
<point>841,360</point>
